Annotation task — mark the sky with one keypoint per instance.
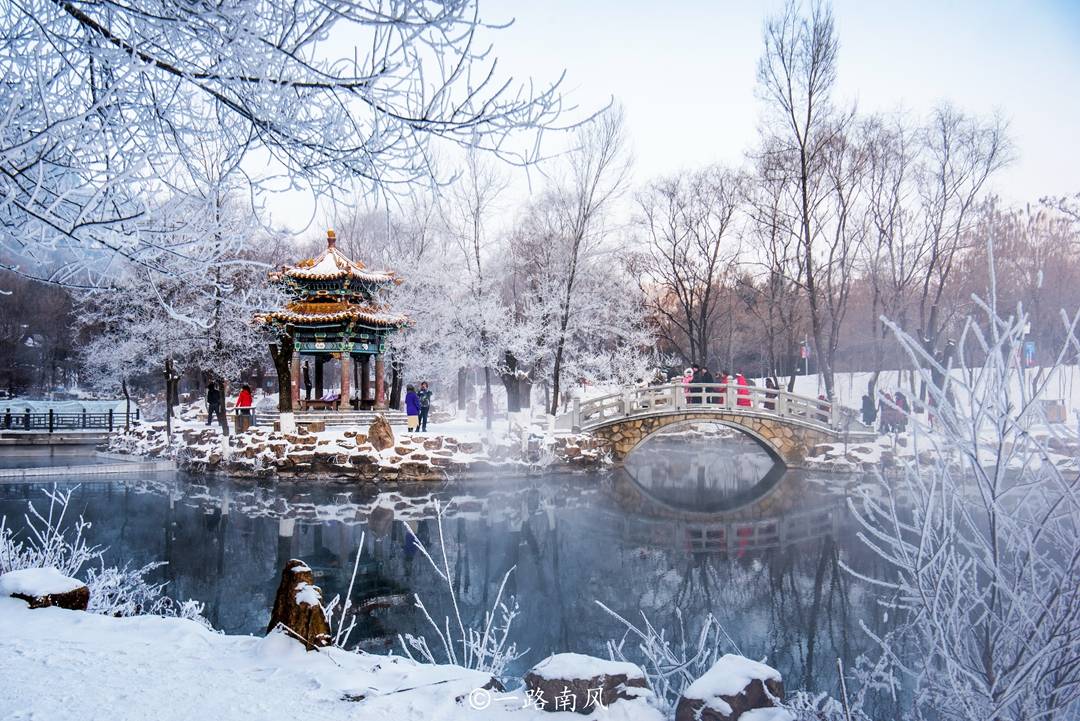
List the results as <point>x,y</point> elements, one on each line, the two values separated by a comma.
<point>684,71</point>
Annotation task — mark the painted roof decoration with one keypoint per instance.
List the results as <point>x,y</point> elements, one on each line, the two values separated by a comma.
<point>366,315</point>
<point>332,264</point>
<point>351,304</point>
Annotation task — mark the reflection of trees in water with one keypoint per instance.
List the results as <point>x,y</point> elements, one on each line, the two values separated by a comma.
<point>790,602</point>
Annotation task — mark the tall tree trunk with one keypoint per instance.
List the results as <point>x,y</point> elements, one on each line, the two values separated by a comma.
<point>397,373</point>
<point>127,404</point>
<point>462,382</point>
<point>489,401</point>
<point>168,396</point>
<point>281,353</point>
<point>512,383</point>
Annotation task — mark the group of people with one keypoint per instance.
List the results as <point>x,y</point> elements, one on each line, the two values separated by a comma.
<point>701,374</point>
<point>244,402</point>
<point>891,412</point>
<point>417,407</point>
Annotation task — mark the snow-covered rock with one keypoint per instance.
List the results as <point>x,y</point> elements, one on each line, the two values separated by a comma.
<point>584,684</point>
<point>727,691</point>
<point>43,587</point>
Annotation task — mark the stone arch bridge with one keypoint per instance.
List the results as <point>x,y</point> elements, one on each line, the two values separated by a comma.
<point>785,424</point>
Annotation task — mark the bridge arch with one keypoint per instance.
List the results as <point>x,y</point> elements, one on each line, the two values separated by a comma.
<point>764,442</point>
<point>787,441</point>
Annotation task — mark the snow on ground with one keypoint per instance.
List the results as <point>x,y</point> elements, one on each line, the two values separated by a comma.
<point>58,664</point>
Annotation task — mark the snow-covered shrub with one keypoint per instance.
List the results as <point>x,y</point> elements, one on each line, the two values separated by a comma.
<point>981,554</point>
<point>484,646</point>
<point>671,660</point>
<point>51,539</point>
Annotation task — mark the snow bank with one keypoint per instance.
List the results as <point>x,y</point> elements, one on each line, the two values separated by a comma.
<point>767,714</point>
<point>58,664</point>
<point>729,676</point>
<point>576,665</point>
<point>37,582</point>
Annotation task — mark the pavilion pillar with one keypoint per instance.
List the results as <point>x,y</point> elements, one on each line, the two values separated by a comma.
<point>294,382</point>
<point>319,390</point>
<point>346,376</point>
<point>365,378</point>
<point>380,383</point>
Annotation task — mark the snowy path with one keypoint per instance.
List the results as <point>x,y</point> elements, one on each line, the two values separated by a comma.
<point>57,664</point>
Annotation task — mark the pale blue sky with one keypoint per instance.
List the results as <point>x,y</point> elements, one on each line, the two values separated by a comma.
<point>685,71</point>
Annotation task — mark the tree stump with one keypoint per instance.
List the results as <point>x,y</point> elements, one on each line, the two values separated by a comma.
<point>298,607</point>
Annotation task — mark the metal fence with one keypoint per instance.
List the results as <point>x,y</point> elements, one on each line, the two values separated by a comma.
<point>53,421</point>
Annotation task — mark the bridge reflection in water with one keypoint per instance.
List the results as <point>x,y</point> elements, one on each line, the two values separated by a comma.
<point>709,489</point>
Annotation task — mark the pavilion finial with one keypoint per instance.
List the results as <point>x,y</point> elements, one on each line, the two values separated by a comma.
<point>331,238</point>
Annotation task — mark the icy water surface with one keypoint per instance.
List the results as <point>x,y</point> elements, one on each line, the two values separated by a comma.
<point>696,523</point>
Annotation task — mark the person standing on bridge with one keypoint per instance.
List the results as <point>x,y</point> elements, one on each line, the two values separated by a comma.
<point>744,391</point>
<point>695,389</point>
<point>707,377</point>
<point>772,386</point>
<point>725,378</point>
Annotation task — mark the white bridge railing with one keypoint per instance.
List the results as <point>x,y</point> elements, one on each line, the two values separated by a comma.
<point>707,397</point>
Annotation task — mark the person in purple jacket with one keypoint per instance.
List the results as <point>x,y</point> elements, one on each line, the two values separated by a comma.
<point>412,408</point>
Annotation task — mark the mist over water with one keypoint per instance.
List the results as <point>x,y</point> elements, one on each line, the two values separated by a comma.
<point>649,539</point>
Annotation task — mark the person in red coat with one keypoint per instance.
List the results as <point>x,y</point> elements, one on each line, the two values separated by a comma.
<point>744,391</point>
<point>243,401</point>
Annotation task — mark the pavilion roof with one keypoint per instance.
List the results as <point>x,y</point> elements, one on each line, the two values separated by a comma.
<point>332,264</point>
<point>301,313</point>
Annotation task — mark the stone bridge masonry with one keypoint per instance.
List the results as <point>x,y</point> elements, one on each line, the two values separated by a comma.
<point>786,425</point>
<point>786,441</point>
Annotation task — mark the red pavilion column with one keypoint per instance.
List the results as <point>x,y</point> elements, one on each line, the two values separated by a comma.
<point>346,376</point>
<point>380,383</point>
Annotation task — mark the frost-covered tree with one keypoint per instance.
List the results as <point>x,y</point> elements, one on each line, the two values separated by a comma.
<point>982,548</point>
<point>201,321</point>
<point>105,101</point>
<point>688,224</point>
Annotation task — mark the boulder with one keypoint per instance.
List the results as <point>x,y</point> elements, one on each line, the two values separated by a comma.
<point>575,682</point>
<point>44,587</point>
<point>733,686</point>
<point>298,607</point>
<point>379,434</point>
<point>433,444</point>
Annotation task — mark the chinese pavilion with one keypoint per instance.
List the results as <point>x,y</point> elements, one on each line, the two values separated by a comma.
<point>337,312</point>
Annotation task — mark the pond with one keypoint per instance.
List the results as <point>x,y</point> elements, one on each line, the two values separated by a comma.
<point>695,523</point>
